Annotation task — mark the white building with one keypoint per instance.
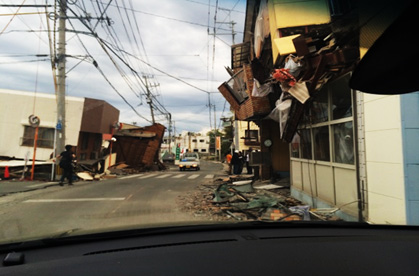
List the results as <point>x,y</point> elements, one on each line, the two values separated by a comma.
<point>193,142</point>
<point>16,133</point>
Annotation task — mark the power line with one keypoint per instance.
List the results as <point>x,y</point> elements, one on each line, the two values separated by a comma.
<point>171,18</point>
<point>105,46</point>
<point>167,74</point>
<point>25,61</point>
<point>214,6</point>
<point>104,76</point>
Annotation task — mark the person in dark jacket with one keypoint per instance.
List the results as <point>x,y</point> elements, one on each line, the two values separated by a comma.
<point>235,162</point>
<point>248,167</point>
<point>241,162</point>
<point>66,160</point>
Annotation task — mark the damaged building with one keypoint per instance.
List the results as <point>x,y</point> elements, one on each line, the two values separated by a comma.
<point>139,147</point>
<point>92,127</point>
<point>290,76</point>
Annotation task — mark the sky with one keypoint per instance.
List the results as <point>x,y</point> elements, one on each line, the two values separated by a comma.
<point>162,43</point>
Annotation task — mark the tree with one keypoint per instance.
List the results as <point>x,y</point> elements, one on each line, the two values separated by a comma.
<point>226,137</point>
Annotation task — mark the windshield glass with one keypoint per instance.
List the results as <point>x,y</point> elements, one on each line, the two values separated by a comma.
<point>101,101</point>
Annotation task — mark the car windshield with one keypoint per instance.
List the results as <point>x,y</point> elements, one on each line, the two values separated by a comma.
<point>190,155</point>
<point>101,101</point>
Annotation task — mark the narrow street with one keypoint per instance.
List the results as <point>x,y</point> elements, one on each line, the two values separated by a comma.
<point>139,200</point>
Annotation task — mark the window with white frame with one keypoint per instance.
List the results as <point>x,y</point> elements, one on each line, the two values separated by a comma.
<point>326,133</point>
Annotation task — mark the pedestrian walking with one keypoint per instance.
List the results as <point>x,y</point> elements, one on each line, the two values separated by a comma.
<point>66,163</point>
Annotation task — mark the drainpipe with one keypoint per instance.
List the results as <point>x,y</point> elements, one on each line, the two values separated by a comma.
<point>356,155</point>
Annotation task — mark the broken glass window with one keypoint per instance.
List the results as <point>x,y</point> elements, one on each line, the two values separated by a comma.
<point>321,143</point>
<point>319,111</point>
<point>237,87</point>
<point>343,143</point>
<point>305,144</point>
<point>341,98</point>
<point>295,146</point>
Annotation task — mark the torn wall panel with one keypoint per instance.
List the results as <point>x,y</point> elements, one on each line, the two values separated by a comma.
<point>139,147</point>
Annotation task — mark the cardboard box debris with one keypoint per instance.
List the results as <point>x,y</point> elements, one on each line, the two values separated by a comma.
<point>84,176</point>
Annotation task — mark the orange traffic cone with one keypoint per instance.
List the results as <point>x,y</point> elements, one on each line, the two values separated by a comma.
<point>6,172</point>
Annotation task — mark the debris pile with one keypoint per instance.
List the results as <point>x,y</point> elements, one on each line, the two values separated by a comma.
<point>241,199</point>
<point>87,173</point>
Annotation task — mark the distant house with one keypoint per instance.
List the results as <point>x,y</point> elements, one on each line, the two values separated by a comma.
<point>193,142</point>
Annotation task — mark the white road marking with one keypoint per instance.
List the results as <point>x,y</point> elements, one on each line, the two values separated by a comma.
<point>209,176</point>
<point>164,175</point>
<point>75,199</point>
<point>147,176</point>
<point>193,176</point>
<point>179,176</point>
<point>41,184</point>
<point>130,176</point>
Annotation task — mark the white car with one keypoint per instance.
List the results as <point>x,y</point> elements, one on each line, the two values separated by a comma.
<point>190,160</point>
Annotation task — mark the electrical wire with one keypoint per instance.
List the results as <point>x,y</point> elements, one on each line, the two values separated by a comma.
<point>122,97</point>
<point>174,19</point>
<point>107,80</point>
<point>25,61</point>
<point>174,77</point>
<point>130,85</point>
<point>52,52</point>
<point>11,19</point>
<point>214,6</point>
<point>113,34</point>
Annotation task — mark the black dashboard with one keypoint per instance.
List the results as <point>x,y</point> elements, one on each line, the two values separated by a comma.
<point>255,249</point>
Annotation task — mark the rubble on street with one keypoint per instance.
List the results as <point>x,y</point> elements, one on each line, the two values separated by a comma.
<point>241,198</point>
<point>87,173</point>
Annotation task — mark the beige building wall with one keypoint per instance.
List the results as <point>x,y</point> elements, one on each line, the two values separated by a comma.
<point>384,159</point>
<point>331,183</point>
<point>241,132</point>
<point>15,109</point>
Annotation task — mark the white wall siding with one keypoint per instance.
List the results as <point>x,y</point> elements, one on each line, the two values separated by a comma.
<point>17,106</point>
<point>384,159</point>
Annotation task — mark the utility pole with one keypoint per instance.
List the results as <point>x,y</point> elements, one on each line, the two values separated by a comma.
<point>149,99</point>
<point>233,33</point>
<point>170,132</point>
<point>61,60</point>
<point>215,120</point>
<point>209,109</point>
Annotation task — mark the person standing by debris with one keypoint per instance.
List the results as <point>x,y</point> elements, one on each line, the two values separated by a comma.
<point>228,159</point>
<point>241,162</point>
<point>66,160</point>
<point>248,167</point>
<point>235,161</point>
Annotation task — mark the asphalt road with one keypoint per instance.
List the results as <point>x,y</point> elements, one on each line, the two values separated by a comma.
<point>142,200</point>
